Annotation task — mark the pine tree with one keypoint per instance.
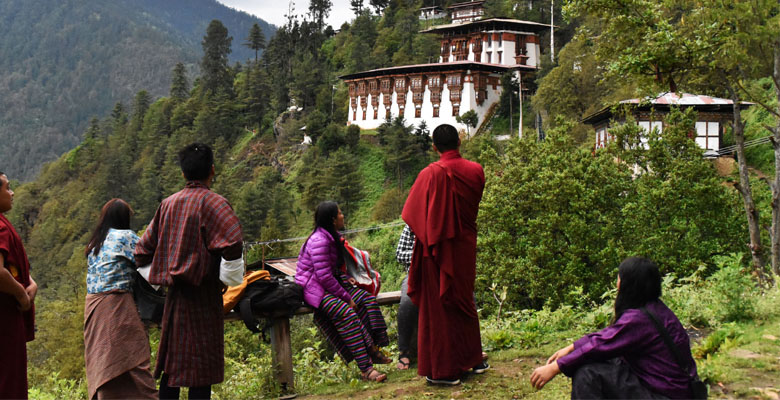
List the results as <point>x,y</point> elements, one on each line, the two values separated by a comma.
<point>180,86</point>
<point>216,77</point>
<point>319,10</point>
<point>256,39</point>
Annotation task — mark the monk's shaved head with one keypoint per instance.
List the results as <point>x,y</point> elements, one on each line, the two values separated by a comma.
<point>445,137</point>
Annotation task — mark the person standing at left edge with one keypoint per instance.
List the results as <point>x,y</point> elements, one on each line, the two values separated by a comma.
<point>190,233</point>
<point>17,311</point>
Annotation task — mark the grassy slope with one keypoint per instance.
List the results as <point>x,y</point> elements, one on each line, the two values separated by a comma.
<point>744,365</point>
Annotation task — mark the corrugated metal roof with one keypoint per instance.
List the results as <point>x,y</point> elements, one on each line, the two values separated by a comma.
<point>665,100</point>
<point>683,99</point>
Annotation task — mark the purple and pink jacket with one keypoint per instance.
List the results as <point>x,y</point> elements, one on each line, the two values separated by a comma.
<point>634,338</point>
<point>316,266</point>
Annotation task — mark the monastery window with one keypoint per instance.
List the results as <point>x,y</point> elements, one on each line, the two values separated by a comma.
<point>490,40</point>
<point>417,112</point>
<point>500,57</point>
<point>385,84</point>
<point>500,40</point>
<point>601,138</point>
<point>434,81</point>
<point>418,97</point>
<point>372,86</point>
<point>435,97</point>
<point>520,45</point>
<point>400,85</point>
<point>416,83</point>
<point>453,80</point>
<point>708,135</point>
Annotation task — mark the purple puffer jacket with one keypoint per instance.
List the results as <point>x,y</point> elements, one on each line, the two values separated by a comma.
<point>316,263</point>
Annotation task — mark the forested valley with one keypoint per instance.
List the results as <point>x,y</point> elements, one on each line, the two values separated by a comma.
<point>556,218</point>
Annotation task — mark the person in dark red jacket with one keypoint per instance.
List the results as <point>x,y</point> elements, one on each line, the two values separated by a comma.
<point>348,316</point>
<point>441,210</point>
<point>17,312</point>
<point>628,359</point>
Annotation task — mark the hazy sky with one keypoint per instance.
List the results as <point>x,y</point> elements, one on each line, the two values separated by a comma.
<point>274,11</point>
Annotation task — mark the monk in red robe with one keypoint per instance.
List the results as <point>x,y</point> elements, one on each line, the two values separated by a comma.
<point>17,311</point>
<point>442,210</point>
<point>191,232</point>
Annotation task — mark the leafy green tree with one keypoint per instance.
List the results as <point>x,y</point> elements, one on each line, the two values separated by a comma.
<point>255,40</point>
<point>680,214</point>
<point>560,231</point>
<point>352,137</point>
<point>180,86</point>
<point>216,76</point>
<point>331,139</point>
<point>469,118</point>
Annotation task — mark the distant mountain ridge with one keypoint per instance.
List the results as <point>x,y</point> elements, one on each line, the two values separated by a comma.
<point>64,61</point>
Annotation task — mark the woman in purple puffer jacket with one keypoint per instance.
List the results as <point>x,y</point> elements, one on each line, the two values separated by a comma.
<point>349,317</point>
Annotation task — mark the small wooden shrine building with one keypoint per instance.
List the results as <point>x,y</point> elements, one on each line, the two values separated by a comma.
<point>649,113</point>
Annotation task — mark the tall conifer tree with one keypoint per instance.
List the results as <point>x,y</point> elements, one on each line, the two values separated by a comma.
<point>256,39</point>
<point>180,86</point>
<point>216,76</point>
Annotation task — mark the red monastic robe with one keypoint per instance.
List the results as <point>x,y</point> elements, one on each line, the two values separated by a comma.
<point>16,327</point>
<point>442,211</point>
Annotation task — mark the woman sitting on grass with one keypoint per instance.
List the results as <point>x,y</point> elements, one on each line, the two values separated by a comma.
<point>629,359</point>
<point>348,316</point>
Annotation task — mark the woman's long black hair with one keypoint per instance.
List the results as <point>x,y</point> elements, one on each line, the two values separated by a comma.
<point>115,214</point>
<point>640,283</point>
<point>324,215</point>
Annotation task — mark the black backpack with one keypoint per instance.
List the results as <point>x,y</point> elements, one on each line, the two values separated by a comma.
<point>275,297</point>
<point>150,302</point>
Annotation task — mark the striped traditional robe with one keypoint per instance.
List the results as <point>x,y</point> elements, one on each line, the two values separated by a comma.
<point>186,237</point>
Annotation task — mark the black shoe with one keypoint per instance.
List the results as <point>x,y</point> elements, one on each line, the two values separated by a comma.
<point>443,382</point>
<point>481,368</point>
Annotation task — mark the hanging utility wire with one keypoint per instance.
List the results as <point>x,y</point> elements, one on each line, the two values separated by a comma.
<point>348,231</point>
<point>749,143</point>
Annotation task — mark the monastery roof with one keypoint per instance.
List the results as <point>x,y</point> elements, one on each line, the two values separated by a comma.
<point>488,23</point>
<point>434,67</point>
<point>466,4</point>
<point>664,101</point>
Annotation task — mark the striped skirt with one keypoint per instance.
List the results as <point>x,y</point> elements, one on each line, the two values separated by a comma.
<point>352,334</point>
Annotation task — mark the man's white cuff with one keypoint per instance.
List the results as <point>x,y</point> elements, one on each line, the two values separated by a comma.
<point>231,273</point>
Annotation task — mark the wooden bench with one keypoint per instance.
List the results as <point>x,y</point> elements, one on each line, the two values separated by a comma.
<point>281,345</point>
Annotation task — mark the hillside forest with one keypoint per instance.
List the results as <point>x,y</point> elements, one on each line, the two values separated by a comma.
<point>64,62</point>
<point>556,218</point>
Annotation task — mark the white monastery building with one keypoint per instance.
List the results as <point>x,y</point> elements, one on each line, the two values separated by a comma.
<point>474,55</point>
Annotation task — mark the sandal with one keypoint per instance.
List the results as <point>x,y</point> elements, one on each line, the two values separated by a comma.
<point>373,375</point>
<point>403,365</point>
<point>378,357</point>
